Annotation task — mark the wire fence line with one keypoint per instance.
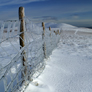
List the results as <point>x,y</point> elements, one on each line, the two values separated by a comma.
<point>15,74</point>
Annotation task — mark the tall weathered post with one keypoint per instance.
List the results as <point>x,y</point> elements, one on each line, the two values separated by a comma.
<point>22,38</point>
<point>44,44</point>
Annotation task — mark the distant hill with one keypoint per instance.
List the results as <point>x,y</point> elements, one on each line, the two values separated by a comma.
<point>89,27</point>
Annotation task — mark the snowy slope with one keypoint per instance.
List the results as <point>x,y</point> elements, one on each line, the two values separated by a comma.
<point>64,73</point>
<point>69,68</point>
<point>66,27</point>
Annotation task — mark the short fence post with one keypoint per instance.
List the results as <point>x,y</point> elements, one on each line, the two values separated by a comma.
<point>50,31</point>
<point>54,31</point>
<point>22,38</point>
<point>44,44</point>
<point>58,31</point>
<point>50,28</point>
<point>50,37</point>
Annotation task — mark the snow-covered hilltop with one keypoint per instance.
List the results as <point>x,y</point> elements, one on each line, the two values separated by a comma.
<point>69,68</point>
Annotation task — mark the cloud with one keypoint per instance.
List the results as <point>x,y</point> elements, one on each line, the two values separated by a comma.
<point>75,16</point>
<point>45,18</point>
<point>48,18</point>
<point>75,9</point>
<point>10,2</point>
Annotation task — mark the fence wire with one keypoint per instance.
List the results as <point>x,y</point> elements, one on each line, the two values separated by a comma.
<point>12,70</point>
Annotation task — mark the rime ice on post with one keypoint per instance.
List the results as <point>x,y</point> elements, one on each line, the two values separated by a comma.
<point>21,18</point>
<point>22,38</point>
<point>50,28</point>
<point>43,35</point>
<point>50,31</point>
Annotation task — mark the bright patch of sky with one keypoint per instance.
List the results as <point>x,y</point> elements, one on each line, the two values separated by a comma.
<point>75,12</point>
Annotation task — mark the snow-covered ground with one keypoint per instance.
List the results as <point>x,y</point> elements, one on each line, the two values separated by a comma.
<point>69,68</point>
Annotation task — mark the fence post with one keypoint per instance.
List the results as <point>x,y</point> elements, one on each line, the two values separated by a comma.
<point>50,31</point>
<point>22,38</point>
<point>44,44</point>
<point>50,28</point>
<point>58,31</point>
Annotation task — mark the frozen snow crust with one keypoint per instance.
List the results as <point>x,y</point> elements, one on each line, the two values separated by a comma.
<point>69,68</point>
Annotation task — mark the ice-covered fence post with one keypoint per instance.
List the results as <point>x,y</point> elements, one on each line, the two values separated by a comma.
<point>50,28</point>
<point>44,44</point>
<point>54,31</point>
<point>22,38</point>
<point>50,31</point>
<point>58,31</point>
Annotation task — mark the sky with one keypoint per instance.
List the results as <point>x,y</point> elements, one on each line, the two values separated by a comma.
<point>74,12</point>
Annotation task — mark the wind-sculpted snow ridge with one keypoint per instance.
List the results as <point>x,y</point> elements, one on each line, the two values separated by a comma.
<point>67,27</point>
<point>80,44</point>
<point>12,69</point>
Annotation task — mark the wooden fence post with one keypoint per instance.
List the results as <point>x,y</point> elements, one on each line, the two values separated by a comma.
<point>44,44</point>
<point>50,31</point>
<point>22,37</point>
<point>50,28</point>
<point>58,31</point>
